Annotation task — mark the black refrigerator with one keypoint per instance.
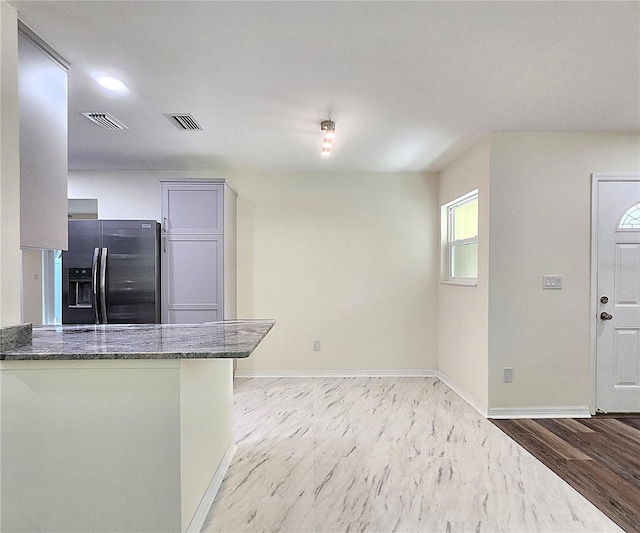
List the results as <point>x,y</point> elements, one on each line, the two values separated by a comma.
<point>111,272</point>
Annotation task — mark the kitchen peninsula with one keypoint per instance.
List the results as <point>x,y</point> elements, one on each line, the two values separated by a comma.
<point>118,428</point>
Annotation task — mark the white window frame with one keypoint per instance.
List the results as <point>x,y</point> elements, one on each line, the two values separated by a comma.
<point>447,242</point>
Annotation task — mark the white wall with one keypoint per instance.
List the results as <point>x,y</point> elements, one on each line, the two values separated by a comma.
<point>347,259</point>
<point>124,194</point>
<point>352,260</point>
<point>10,269</point>
<point>32,287</point>
<point>463,311</point>
<point>540,224</point>
<point>9,176</point>
<point>206,427</point>
<point>97,429</point>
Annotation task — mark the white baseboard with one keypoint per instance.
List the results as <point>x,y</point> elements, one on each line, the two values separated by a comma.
<point>463,393</point>
<point>210,494</point>
<point>540,412</point>
<point>335,373</point>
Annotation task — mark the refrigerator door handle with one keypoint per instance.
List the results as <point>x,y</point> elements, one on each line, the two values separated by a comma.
<point>103,286</point>
<point>94,283</point>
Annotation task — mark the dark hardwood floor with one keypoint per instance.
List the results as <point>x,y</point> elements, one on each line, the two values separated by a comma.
<point>599,457</point>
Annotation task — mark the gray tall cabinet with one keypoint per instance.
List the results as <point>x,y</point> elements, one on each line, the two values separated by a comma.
<point>198,251</point>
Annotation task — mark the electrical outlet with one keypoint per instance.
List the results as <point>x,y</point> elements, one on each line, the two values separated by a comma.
<point>552,282</point>
<point>316,346</point>
<point>507,374</point>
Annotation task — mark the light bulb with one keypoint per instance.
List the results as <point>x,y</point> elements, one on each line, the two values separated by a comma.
<point>328,127</point>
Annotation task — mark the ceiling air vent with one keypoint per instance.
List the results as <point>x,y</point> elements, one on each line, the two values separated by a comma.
<point>184,121</point>
<point>106,120</point>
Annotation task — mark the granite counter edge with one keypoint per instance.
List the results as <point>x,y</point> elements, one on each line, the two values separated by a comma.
<point>28,353</point>
<point>56,356</point>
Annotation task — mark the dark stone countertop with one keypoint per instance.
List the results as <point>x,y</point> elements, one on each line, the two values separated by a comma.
<point>225,339</point>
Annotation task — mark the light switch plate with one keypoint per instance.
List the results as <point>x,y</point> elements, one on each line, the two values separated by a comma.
<point>551,282</point>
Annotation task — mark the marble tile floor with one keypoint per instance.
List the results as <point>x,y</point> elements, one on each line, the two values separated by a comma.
<point>383,455</point>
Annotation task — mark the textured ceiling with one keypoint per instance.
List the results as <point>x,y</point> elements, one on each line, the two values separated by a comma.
<point>409,84</point>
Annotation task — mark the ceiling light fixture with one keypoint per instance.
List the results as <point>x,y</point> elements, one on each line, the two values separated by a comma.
<point>329,129</point>
<point>112,84</point>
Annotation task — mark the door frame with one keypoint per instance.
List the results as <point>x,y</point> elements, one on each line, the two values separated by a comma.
<point>596,179</point>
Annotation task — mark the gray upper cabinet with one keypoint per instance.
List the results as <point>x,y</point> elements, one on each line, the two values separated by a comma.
<point>193,208</point>
<point>43,143</point>
<point>199,251</point>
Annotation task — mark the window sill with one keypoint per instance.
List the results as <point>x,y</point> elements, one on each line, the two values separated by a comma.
<point>469,283</point>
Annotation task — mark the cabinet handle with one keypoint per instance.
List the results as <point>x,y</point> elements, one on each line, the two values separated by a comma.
<point>164,225</point>
<point>164,244</point>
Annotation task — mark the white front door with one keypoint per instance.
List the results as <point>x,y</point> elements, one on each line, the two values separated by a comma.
<point>618,286</point>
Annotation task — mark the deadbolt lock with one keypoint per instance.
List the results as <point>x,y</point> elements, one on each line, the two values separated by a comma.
<point>604,300</point>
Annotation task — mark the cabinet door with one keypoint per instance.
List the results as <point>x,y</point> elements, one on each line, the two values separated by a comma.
<point>192,208</point>
<point>43,148</point>
<point>193,279</point>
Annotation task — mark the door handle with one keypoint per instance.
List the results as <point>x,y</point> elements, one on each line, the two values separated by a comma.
<point>103,286</point>
<point>94,283</point>
<point>605,316</point>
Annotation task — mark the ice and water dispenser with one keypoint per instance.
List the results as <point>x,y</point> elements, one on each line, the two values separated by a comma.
<point>80,288</point>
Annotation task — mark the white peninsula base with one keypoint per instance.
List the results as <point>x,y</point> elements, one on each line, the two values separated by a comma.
<point>112,445</point>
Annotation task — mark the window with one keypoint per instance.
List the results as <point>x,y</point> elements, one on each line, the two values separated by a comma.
<point>631,219</point>
<point>460,240</point>
<point>51,287</point>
